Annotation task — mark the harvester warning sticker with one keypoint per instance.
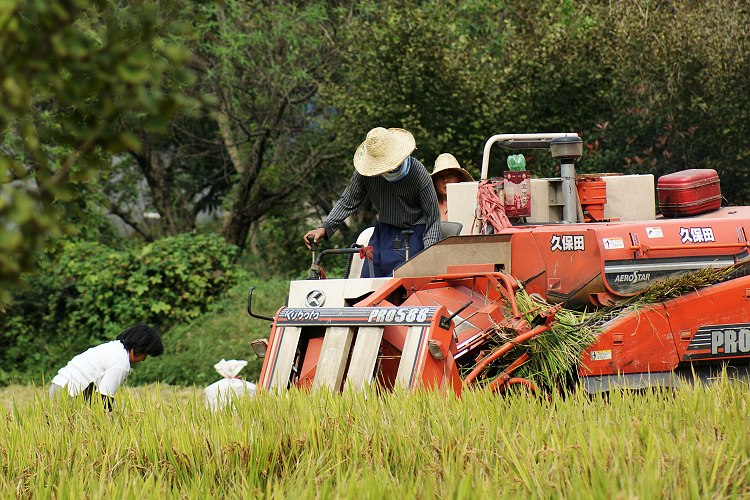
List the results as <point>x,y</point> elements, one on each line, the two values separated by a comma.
<point>601,355</point>
<point>567,242</point>
<point>697,234</point>
<point>613,243</point>
<point>654,232</point>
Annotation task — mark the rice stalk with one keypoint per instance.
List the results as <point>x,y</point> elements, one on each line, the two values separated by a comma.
<point>692,442</point>
<point>668,288</point>
<point>555,354</point>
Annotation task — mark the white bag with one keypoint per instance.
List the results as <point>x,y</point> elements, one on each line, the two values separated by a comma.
<point>221,393</point>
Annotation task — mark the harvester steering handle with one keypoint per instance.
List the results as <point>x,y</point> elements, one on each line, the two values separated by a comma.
<point>353,250</point>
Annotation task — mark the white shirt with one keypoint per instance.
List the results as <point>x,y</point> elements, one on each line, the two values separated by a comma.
<point>106,365</point>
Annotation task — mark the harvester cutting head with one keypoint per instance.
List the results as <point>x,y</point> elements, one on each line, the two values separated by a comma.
<point>404,335</point>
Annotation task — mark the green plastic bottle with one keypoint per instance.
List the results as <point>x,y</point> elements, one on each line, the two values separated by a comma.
<point>516,163</point>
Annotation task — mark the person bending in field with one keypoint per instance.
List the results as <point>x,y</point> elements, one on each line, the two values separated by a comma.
<point>104,367</point>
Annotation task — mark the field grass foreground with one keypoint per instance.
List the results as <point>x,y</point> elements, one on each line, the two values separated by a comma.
<point>693,442</point>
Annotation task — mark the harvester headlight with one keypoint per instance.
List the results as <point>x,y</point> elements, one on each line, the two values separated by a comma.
<point>260,346</point>
<point>436,349</point>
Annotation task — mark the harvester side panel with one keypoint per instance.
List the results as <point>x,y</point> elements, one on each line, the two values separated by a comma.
<point>572,262</point>
<point>528,263</point>
<point>703,327</point>
<point>713,324</point>
<point>639,341</point>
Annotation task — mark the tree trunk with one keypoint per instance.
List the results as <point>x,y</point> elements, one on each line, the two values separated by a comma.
<point>237,225</point>
<point>156,174</point>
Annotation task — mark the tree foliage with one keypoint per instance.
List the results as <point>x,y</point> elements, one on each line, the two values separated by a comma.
<point>263,63</point>
<point>682,92</point>
<point>180,176</point>
<point>73,72</point>
<point>85,293</point>
<point>456,73</point>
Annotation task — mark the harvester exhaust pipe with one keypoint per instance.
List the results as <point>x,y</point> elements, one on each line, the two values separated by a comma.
<point>568,150</point>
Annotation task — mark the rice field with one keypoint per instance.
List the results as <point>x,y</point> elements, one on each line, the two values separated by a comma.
<point>163,443</point>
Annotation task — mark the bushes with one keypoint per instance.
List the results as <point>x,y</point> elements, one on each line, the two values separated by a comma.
<point>85,293</point>
<point>225,331</point>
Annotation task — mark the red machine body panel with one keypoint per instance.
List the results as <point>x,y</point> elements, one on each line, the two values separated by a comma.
<point>580,263</point>
<point>689,192</point>
<point>556,261</point>
<point>712,324</point>
<point>709,325</point>
<point>638,342</point>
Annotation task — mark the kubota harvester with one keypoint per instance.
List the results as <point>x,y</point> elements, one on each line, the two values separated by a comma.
<point>665,297</point>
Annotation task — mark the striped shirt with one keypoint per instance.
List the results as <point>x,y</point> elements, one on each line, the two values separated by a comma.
<point>403,204</point>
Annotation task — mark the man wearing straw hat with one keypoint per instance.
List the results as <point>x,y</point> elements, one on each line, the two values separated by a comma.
<point>447,171</point>
<point>401,191</point>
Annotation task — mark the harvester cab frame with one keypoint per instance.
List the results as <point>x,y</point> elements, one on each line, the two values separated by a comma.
<point>476,309</point>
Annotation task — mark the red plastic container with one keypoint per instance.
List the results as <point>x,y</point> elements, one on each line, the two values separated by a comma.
<point>689,192</point>
<point>592,193</point>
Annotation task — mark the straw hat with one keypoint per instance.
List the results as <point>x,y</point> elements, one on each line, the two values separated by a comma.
<point>447,161</point>
<point>383,150</point>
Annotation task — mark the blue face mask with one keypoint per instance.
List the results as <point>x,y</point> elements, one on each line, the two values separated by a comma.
<point>399,172</point>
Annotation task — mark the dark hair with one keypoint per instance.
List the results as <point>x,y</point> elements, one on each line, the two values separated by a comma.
<point>142,339</point>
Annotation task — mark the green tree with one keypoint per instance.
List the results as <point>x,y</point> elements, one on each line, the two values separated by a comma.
<point>77,76</point>
<point>455,73</point>
<point>263,63</point>
<point>178,176</point>
<point>87,292</point>
<point>682,88</point>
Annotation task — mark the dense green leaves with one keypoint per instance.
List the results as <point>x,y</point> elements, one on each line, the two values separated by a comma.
<point>456,73</point>
<point>683,93</point>
<point>88,292</point>
<point>225,331</point>
<point>263,63</point>
<point>73,73</point>
<point>650,86</point>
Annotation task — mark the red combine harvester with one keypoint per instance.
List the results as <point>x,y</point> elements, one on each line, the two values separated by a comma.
<point>449,316</point>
